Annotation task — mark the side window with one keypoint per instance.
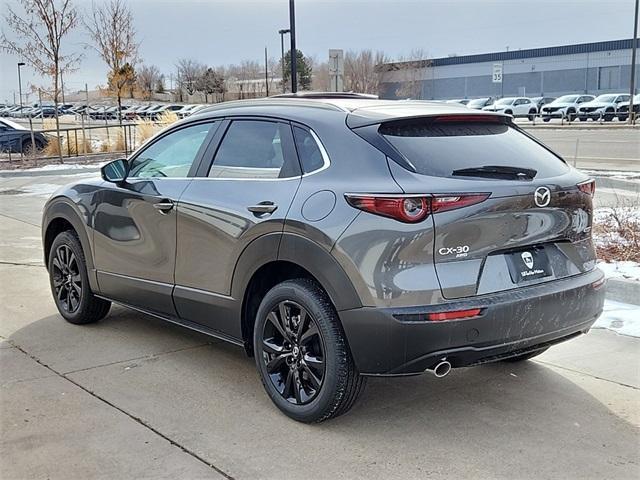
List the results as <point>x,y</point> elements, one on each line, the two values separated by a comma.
<point>253,149</point>
<point>309,151</point>
<point>172,155</point>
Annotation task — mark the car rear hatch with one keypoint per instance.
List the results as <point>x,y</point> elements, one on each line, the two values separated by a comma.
<point>506,211</point>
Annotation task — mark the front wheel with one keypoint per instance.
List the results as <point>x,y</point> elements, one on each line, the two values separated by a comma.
<point>302,355</point>
<point>70,282</point>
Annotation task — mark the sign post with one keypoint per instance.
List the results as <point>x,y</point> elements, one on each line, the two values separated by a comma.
<point>497,73</point>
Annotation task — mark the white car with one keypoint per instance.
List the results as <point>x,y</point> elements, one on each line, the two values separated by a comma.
<point>603,107</point>
<point>515,106</point>
<point>564,107</point>
<point>623,108</point>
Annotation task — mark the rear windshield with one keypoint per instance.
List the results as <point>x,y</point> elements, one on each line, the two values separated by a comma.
<point>440,148</point>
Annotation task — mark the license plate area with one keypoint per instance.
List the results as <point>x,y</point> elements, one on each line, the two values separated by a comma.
<point>529,264</point>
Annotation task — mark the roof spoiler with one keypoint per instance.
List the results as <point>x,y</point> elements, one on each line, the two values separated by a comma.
<point>363,117</point>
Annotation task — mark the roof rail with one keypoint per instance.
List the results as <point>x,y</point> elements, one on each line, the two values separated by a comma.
<point>271,101</point>
<point>327,95</point>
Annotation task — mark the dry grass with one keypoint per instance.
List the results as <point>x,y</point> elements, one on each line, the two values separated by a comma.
<point>52,149</point>
<point>167,118</point>
<point>616,233</point>
<point>145,130</point>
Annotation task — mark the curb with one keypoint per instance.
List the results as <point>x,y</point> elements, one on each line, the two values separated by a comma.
<point>623,290</point>
<point>41,173</point>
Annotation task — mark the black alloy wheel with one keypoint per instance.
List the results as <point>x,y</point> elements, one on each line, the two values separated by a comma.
<point>70,283</point>
<point>293,352</point>
<point>67,281</point>
<point>302,355</point>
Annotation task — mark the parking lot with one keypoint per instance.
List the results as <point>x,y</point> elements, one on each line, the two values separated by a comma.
<point>132,397</point>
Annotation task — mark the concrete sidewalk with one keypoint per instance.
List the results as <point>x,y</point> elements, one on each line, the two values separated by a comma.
<point>132,397</point>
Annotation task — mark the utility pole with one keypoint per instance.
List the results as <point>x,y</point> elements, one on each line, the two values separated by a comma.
<point>266,71</point>
<point>20,64</point>
<point>294,51</point>
<point>632,83</point>
<point>282,33</point>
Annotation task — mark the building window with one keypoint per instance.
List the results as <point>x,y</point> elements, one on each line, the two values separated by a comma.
<point>608,78</point>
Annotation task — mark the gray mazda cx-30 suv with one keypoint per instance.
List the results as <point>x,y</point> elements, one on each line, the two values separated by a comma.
<point>335,238</point>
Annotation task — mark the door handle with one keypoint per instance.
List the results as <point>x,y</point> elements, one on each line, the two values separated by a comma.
<point>263,208</point>
<point>163,206</point>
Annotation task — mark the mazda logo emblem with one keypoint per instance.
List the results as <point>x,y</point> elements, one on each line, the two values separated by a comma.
<point>542,196</point>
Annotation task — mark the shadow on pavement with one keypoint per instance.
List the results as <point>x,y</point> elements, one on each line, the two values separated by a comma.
<point>497,421</point>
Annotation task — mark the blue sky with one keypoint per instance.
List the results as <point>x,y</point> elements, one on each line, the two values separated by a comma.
<point>219,32</point>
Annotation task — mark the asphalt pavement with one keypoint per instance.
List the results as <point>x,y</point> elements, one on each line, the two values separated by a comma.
<point>133,397</point>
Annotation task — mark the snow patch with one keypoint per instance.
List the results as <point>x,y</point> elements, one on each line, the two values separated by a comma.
<point>40,189</point>
<point>627,270</point>
<point>612,174</point>
<point>622,318</point>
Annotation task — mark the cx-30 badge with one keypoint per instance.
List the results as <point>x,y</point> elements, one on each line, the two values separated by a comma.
<point>542,196</point>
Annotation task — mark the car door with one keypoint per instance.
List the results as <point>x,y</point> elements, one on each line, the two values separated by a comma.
<point>135,221</point>
<point>243,194</point>
<point>521,106</point>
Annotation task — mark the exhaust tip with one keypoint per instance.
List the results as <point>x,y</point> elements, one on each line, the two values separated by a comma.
<point>442,369</point>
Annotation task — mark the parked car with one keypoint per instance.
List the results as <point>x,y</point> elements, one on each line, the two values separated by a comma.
<point>603,107</point>
<point>160,109</point>
<point>564,107</point>
<point>15,138</point>
<point>514,106</point>
<point>480,103</point>
<point>623,108</point>
<point>461,101</point>
<point>327,274</point>
<point>187,110</point>
<point>540,101</point>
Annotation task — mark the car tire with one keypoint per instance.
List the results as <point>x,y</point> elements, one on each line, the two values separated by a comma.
<point>525,356</point>
<point>508,112</point>
<point>27,147</point>
<point>70,282</point>
<point>302,355</point>
<point>570,115</point>
<point>583,119</point>
<point>608,115</point>
<point>532,115</point>
<point>546,119</point>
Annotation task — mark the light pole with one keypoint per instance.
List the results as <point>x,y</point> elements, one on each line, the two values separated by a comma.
<point>294,51</point>
<point>282,33</point>
<point>20,64</point>
<point>632,83</point>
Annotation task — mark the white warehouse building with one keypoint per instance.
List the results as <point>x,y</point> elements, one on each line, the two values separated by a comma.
<point>593,68</point>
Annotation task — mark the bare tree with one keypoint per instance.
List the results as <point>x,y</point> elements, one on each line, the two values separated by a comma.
<point>40,30</point>
<point>148,78</point>
<point>111,29</point>
<point>188,71</point>
<point>361,71</point>
<point>210,82</point>
<point>409,74</point>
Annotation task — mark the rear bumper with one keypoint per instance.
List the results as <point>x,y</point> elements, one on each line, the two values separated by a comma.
<point>390,341</point>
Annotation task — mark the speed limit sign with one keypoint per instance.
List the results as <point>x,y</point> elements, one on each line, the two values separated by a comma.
<point>497,73</point>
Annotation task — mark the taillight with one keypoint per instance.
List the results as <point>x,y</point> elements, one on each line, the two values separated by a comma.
<point>444,203</point>
<point>453,315</point>
<point>408,209</point>
<point>588,187</point>
<point>412,208</point>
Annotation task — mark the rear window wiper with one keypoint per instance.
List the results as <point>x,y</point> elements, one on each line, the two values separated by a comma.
<point>497,171</point>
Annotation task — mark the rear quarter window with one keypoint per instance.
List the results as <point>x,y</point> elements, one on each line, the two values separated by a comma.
<point>439,148</point>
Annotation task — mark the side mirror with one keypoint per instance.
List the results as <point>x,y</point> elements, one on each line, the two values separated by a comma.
<point>116,171</point>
